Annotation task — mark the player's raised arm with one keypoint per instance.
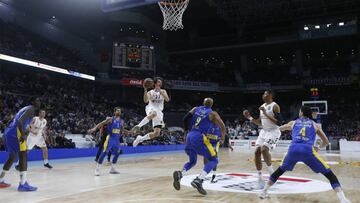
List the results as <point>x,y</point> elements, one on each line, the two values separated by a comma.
<point>215,118</point>
<point>146,95</point>
<point>320,132</point>
<point>99,125</point>
<point>277,118</point>
<point>247,115</point>
<point>287,126</point>
<point>165,95</point>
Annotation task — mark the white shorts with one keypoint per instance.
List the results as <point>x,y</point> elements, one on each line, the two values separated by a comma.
<point>157,121</point>
<point>35,140</point>
<point>268,138</point>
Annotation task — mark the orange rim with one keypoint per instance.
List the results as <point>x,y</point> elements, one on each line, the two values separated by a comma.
<point>165,3</point>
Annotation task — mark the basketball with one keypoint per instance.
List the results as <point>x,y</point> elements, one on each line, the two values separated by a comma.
<point>148,83</point>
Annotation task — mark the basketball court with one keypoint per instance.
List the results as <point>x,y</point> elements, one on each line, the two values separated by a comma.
<point>148,178</point>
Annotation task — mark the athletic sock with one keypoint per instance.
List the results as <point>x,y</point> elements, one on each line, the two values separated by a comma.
<point>143,122</point>
<point>22,177</point>
<point>183,172</point>
<point>98,166</point>
<point>267,186</point>
<point>46,161</point>
<point>202,175</point>
<point>340,194</point>
<point>270,169</point>
<point>259,174</point>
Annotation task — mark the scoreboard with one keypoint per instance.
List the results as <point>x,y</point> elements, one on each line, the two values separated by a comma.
<point>133,56</point>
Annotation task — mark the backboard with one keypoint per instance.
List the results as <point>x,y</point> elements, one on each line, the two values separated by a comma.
<point>320,107</point>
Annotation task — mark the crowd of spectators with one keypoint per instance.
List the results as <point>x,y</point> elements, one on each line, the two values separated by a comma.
<point>223,74</point>
<point>343,121</point>
<point>219,72</point>
<point>72,107</point>
<point>76,106</point>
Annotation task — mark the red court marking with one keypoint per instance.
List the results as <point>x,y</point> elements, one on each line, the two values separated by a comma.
<point>4,185</point>
<point>286,179</point>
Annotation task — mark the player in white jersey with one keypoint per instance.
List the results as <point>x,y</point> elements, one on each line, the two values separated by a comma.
<point>155,99</point>
<point>37,136</point>
<point>270,119</point>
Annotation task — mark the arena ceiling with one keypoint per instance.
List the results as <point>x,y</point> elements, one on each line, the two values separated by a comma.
<point>207,23</point>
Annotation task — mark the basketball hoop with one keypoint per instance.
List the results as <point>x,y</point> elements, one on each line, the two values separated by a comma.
<point>173,11</point>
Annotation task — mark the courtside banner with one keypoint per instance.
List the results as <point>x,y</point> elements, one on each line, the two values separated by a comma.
<point>283,144</point>
<point>349,146</point>
<point>193,85</point>
<point>240,144</point>
<point>131,82</point>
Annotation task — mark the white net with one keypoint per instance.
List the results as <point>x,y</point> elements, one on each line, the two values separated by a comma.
<point>173,11</point>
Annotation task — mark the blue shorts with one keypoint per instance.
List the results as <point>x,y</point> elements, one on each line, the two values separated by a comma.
<point>12,141</point>
<point>112,144</point>
<point>307,154</point>
<point>200,144</point>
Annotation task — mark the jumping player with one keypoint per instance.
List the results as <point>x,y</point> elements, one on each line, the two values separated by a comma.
<point>202,118</point>
<point>302,148</point>
<point>112,142</point>
<point>270,120</point>
<point>15,141</point>
<point>155,99</point>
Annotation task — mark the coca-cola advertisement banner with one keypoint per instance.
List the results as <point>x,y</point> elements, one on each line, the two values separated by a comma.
<point>131,82</point>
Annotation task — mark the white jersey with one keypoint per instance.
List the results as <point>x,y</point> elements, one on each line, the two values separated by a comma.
<point>156,100</point>
<point>38,126</point>
<point>266,123</point>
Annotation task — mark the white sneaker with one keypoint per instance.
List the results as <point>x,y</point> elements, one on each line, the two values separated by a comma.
<point>261,183</point>
<point>345,201</point>
<point>97,172</point>
<point>263,195</point>
<point>114,171</point>
<point>137,141</point>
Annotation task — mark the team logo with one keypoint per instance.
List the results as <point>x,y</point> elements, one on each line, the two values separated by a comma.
<point>248,183</point>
